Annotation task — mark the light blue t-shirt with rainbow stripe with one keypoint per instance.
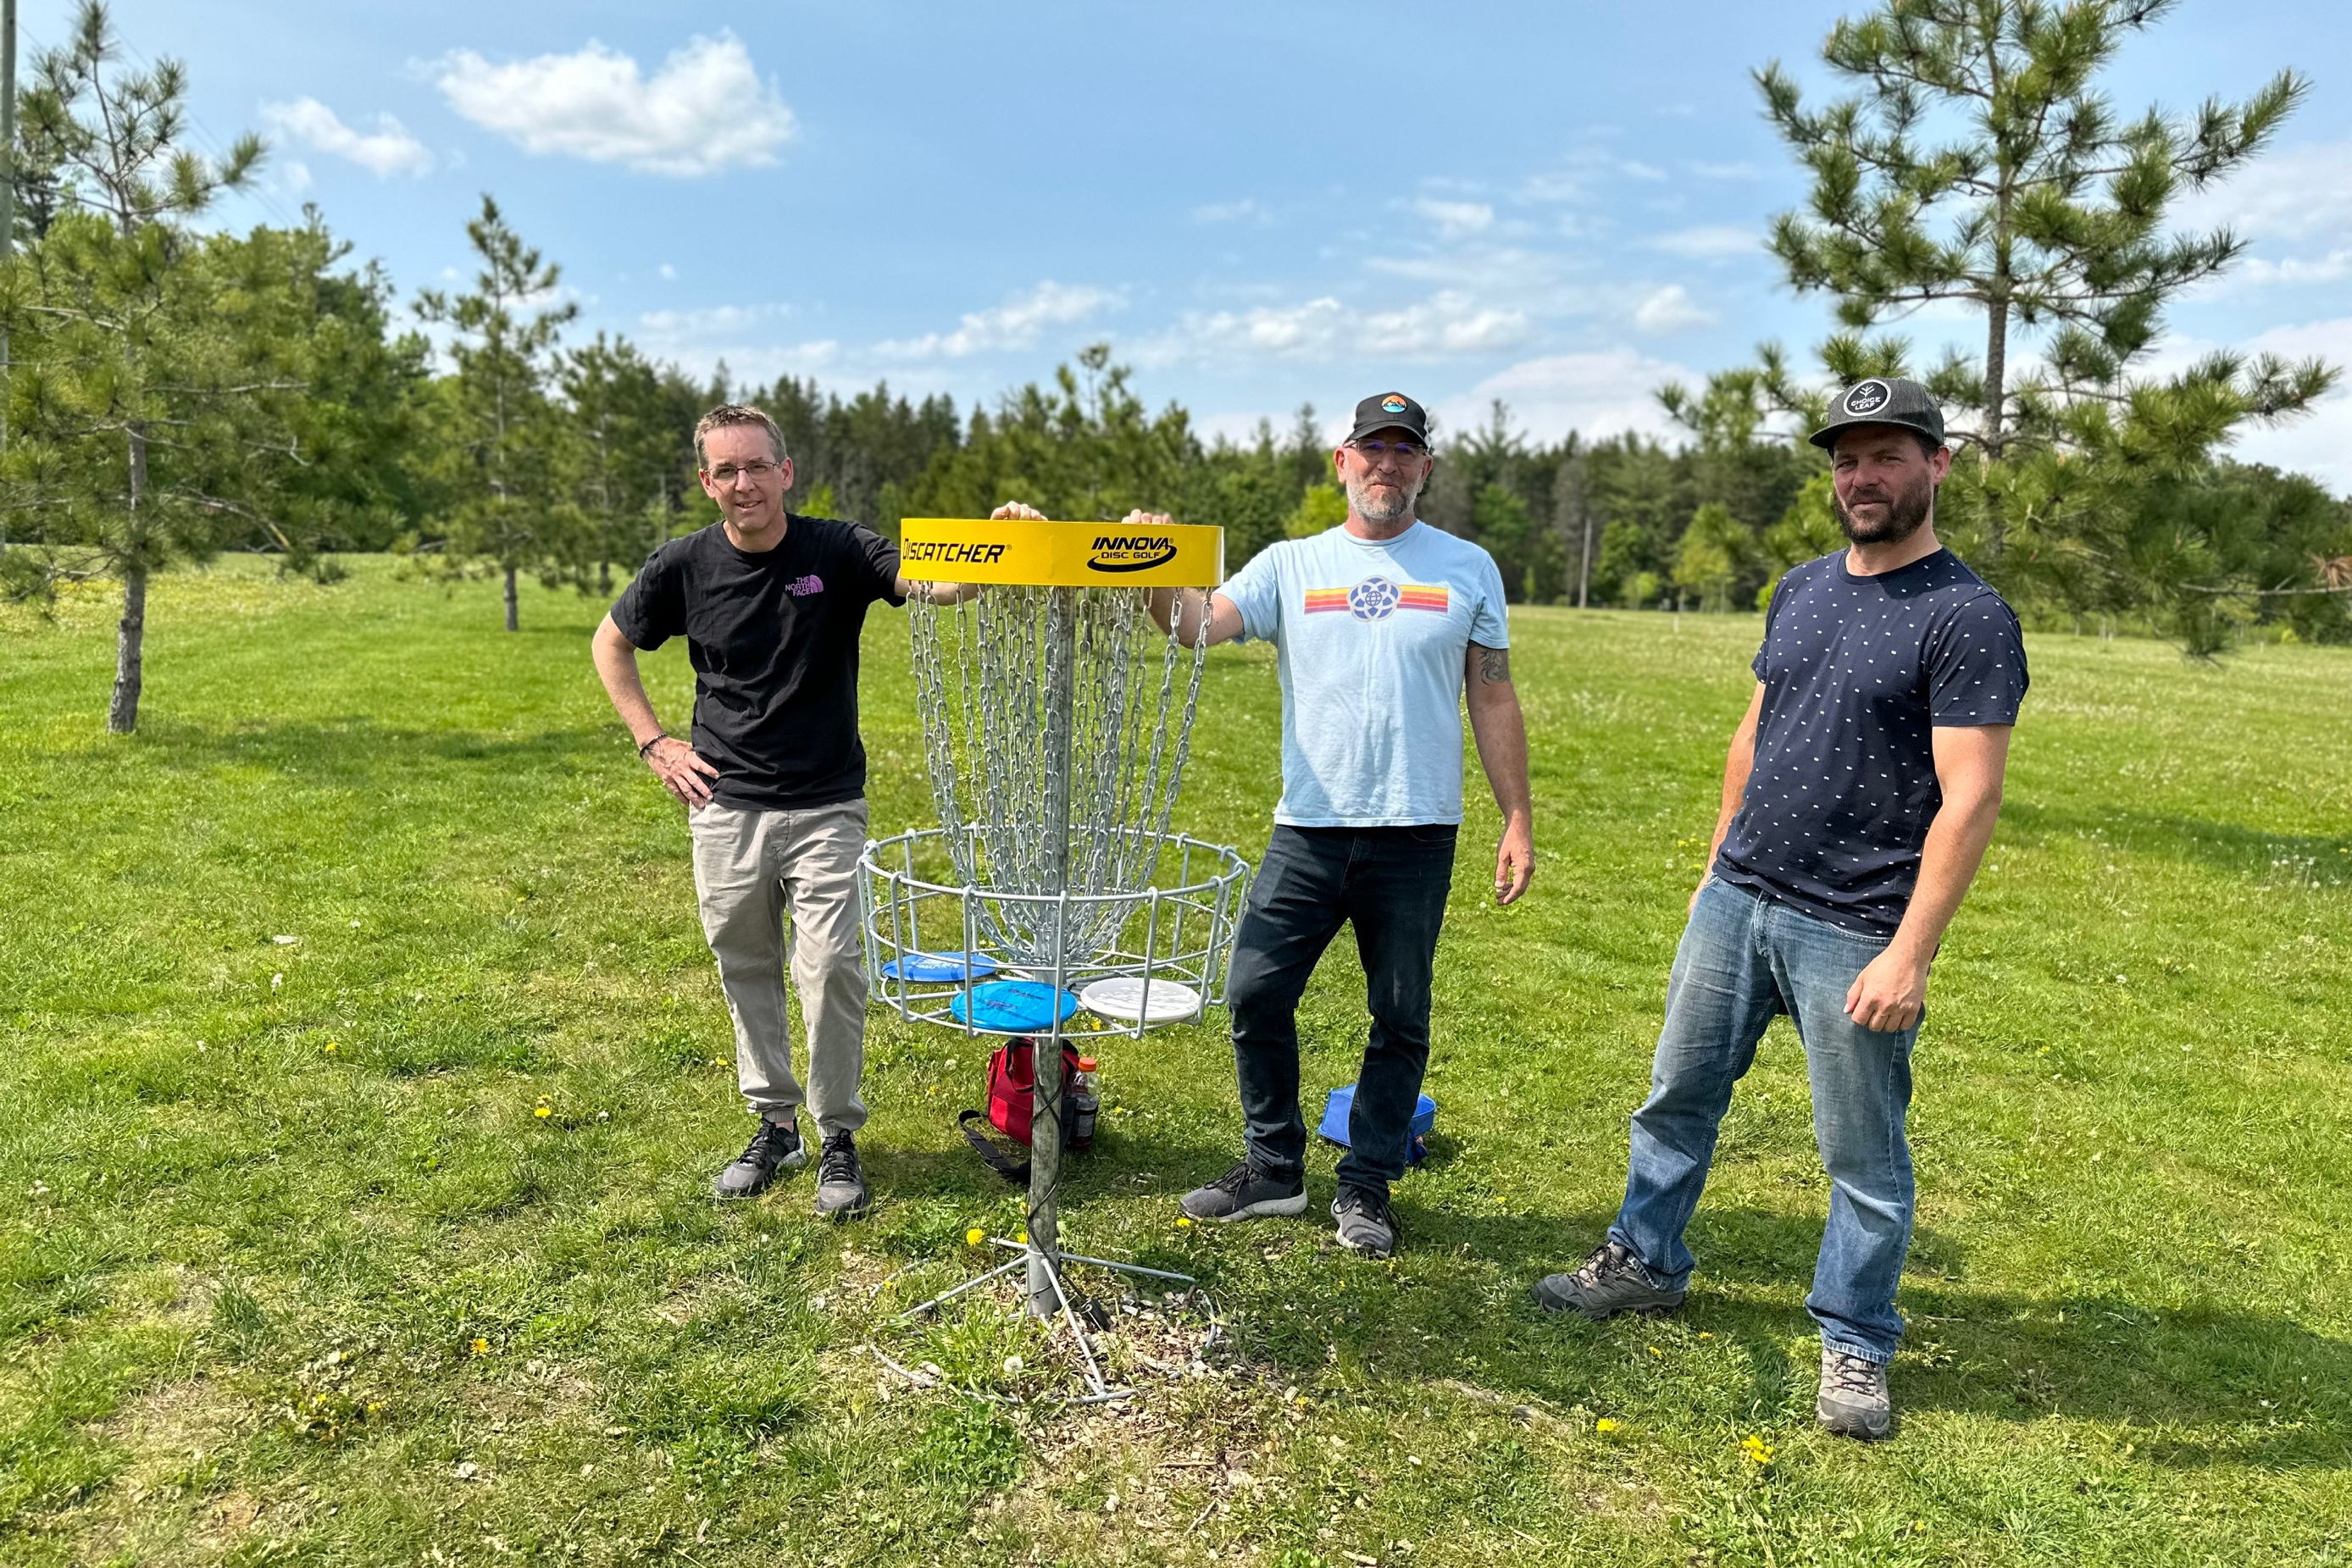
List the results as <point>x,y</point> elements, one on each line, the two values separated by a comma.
<point>1372,637</point>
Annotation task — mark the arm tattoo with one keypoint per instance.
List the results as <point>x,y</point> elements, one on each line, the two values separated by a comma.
<point>1494,664</point>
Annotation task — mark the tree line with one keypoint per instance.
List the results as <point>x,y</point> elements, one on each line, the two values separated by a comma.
<point>174,391</point>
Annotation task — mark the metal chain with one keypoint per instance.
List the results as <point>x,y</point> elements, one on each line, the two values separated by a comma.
<point>984,689</point>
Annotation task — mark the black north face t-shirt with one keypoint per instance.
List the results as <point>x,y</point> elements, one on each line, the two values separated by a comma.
<point>1857,671</point>
<point>773,642</point>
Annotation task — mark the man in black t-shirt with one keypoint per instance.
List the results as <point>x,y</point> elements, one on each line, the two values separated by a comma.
<point>1861,791</point>
<point>770,604</point>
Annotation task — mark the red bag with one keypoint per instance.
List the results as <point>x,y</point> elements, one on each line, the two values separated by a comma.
<point>1012,1103</point>
<point>1013,1087</point>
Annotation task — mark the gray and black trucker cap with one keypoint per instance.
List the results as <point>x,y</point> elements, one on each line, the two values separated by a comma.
<point>1391,411</point>
<point>1882,400</point>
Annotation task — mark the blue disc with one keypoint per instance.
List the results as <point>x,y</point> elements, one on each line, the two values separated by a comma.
<point>939,968</point>
<point>1015,1006</point>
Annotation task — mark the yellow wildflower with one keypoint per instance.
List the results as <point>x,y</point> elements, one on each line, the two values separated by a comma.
<point>480,1345</point>
<point>974,1237</point>
<point>543,1113</point>
<point>1757,1450</point>
<point>1604,1425</point>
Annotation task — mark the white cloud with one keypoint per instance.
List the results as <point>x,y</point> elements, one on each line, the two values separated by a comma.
<point>1708,241</point>
<point>1600,393</point>
<point>1320,330</point>
<point>1456,220</point>
<point>386,150</point>
<point>2320,442</point>
<point>705,110</point>
<point>1248,210</point>
<point>706,323</point>
<point>2295,192</point>
<point>668,272</point>
<point>1015,324</point>
<point>1671,309</point>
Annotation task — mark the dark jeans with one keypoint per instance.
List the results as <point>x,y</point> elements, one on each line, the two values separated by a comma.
<point>1392,882</point>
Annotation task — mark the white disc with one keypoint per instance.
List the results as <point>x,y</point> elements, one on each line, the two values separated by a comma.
<point>1122,997</point>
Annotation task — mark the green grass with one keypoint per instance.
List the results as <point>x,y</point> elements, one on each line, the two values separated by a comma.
<point>283,1245</point>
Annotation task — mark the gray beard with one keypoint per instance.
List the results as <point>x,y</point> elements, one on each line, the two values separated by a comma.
<point>1910,509</point>
<point>1361,502</point>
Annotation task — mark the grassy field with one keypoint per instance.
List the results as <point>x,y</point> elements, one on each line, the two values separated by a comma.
<point>365,1072</point>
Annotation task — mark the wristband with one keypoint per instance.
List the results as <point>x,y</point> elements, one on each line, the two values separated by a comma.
<point>649,745</point>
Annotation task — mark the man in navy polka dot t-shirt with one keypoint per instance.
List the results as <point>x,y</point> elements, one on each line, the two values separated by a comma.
<point>1861,791</point>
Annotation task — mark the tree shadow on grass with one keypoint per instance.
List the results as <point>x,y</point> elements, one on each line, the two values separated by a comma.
<point>2203,1387</point>
<point>362,753</point>
<point>2224,846</point>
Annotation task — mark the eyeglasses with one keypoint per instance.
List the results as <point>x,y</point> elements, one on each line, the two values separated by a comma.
<point>1376,450</point>
<point>726,473</point>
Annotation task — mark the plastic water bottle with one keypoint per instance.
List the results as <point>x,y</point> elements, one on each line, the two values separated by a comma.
<point>1085,1102</point>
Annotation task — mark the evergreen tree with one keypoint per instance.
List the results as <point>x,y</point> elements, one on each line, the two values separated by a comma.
<point>136,400</point>
<point>1979,163</point>
<point>504,441</point>
<point>626,442</point>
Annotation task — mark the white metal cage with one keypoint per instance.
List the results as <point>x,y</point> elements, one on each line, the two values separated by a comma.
<point>930,944</point>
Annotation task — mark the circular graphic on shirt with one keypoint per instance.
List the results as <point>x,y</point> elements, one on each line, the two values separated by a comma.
<point>1869,397</point>
<point>1374,598</point>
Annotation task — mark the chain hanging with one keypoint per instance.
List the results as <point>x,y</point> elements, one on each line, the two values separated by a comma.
<point>994,678</point>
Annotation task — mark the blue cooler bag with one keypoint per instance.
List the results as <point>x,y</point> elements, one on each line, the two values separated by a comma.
<point>1335,1122</point>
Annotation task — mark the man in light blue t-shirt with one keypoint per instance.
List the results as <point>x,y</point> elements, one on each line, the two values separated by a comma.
<point>1384,625</point>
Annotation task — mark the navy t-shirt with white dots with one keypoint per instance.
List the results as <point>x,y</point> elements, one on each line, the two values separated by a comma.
<point>1857,671</point>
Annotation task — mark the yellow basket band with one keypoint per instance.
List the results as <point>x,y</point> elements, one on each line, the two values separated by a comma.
<point>1060,555</point>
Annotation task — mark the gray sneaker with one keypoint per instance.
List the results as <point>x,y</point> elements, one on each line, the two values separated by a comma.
<point>1610,1280</point>
<point>1245,1192</point>
<point>1854,1402</point>
<point>775,1146</point>
<point>1366,1224</point>
<point>840,1184</point>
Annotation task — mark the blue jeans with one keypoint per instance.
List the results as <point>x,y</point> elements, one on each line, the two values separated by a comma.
<point>1392,882</point>
<point>1743,958</point>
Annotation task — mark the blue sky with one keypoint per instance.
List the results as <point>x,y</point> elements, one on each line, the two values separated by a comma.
<point>1259,205</point>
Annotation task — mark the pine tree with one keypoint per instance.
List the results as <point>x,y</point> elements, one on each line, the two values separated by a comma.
<point>138,407</point>
<point>504,437</point>
<point>1979,163</point>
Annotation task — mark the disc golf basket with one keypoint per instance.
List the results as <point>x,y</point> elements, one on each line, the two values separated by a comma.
<point>1056,721</point>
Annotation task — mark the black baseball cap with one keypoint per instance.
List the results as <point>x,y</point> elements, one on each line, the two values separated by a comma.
<point>1882,400</point>
<point>1391,411</point>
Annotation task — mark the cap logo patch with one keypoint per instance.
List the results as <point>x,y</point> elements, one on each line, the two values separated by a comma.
<point>1868,397</point>
<point>1393,403</point>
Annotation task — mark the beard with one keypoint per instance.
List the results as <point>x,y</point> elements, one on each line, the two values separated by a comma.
<point>1381,501</point>
<point>1905,513</point>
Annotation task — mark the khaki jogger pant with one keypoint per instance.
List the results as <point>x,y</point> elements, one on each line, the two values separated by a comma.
<point>751,869</point>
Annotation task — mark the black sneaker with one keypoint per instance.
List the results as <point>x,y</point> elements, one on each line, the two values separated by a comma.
<point>840,1184</point>
<point>774,1146</point>
<point>1246,1192</point>
<point>1610,1280</point>
<point>1367,1223</point>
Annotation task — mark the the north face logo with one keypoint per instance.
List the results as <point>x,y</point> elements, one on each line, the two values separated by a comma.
<point>801,587</point>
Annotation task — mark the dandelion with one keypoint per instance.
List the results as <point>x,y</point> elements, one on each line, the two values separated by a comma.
<point>1758,1451</point>
<point>1183,1221</point>
<point>1022,1237</point>
<point>331,1048</point>
<point>542,1111</point>
<point>974,1237</point>
<point>480,1345</point>
<point>1604,1425</point>
<point>1656,1352</point>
